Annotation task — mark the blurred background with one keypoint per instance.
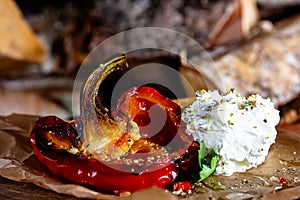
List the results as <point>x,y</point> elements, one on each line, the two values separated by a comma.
<point>255,46</point>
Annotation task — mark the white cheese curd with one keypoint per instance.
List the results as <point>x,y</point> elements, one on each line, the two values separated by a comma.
<point>240,130</point>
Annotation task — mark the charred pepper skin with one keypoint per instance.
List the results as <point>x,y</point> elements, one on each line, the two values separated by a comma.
<point>85,170</point>
<point>52,139</point>
<point>57,144</point>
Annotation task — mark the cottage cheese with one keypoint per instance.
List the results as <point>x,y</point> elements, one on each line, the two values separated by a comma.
<point>240,130</point>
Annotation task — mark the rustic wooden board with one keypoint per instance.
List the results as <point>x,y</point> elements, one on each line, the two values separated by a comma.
<point>19,190</point>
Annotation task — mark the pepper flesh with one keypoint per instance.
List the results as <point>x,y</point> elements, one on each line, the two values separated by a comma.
<point>137,103</point>
<point>86,170</point>
<point>75,155</point>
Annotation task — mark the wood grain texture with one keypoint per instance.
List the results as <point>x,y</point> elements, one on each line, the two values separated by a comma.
<point>19,190</point>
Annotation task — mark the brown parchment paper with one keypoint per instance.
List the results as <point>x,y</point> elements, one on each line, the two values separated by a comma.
<point>18,163</point>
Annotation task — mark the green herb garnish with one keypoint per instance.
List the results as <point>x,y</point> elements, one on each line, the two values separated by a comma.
<point>207,161</point>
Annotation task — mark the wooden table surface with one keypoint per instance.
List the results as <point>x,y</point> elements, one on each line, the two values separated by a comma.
<point>23,191</point>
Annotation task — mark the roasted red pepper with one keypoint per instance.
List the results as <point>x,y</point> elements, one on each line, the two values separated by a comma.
<point>158,117</point>
<point>57,145</point>
<point>181,186</point>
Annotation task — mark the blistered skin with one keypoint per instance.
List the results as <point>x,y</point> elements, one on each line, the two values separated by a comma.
<point>240,130</point>
<point>55,144</point>
<point>114,150</point>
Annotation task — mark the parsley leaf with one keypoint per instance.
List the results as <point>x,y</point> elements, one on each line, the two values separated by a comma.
<point>207,162</point>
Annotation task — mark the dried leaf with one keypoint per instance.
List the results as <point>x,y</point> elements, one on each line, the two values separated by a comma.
<point>18,41</point>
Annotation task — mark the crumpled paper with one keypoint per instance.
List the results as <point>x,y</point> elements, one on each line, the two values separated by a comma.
<point>18,163</point>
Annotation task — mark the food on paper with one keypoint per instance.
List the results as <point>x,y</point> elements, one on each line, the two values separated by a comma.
<point>148,140</point>
<point>239,130</point>
<point>133,158</point>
